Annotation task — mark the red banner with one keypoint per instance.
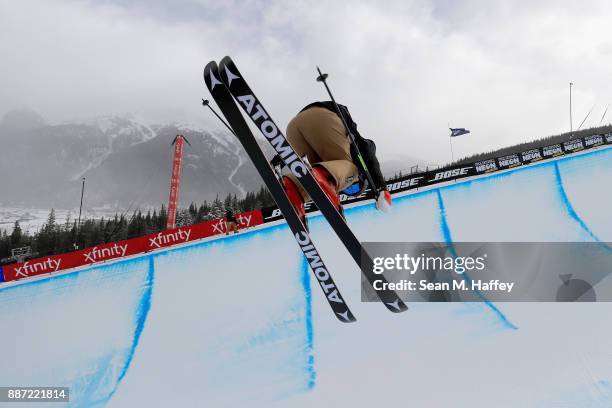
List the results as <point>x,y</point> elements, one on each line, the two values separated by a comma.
<point>120,249</point>
<point>175,181</point>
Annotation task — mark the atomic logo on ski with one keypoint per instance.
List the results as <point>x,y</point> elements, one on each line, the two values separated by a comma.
<point>395,305</point>
<point>213,80</point>
<point>314,260</point>
<point>270,131</point>
<point>344,316</point>
<point>230,76</point>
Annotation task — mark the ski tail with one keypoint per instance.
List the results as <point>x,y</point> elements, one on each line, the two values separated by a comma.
<point>233,116</point>
<point>250,104</point>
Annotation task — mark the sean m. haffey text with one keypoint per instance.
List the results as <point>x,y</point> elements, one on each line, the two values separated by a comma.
<point>459,265</point>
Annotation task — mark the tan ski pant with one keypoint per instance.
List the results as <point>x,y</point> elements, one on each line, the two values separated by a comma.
<point>319,134</point>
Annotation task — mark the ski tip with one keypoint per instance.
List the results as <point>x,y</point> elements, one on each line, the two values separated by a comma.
<point>211,76</point>
<point>211,66</point>
<point>346,317</point>
<point>396,306</point>
<point>225,61</point>
<point>228,71</point>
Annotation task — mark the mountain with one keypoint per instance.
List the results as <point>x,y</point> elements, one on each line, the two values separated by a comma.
<point>126,163</point>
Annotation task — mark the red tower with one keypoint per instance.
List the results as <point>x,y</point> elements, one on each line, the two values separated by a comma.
<point>175,180</point>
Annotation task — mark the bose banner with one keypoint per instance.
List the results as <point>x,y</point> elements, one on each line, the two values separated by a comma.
<point>415,181</point>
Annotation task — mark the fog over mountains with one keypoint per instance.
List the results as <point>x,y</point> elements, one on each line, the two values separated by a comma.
<point>126,163</point>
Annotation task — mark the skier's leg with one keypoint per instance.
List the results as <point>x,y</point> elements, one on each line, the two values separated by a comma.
<point>297,140</point>
<point>296,193</point>
<point>328,185</point>
<point>324,132</point>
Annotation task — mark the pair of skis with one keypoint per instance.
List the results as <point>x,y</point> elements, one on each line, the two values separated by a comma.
<point>225,84</point>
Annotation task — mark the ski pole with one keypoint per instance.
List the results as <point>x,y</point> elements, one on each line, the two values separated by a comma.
<point>205,102</point>
<point>322,78</point>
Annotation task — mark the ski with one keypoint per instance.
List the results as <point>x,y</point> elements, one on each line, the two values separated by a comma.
<point>249,103</point>
<point>231,112</point>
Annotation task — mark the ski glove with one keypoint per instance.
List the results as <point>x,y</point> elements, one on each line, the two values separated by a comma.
<point>383,201</point>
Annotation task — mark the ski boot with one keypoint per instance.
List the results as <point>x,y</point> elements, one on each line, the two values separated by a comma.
<point>296,199</point>
<point>328,185</point>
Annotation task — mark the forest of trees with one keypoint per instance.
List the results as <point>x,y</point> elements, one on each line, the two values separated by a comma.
<point>63,236</point>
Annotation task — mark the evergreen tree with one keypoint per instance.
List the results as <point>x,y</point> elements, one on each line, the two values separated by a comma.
<point>184,218</point>
<point>16,236</point>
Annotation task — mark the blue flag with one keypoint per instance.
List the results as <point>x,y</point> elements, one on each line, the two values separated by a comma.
<point>458,132</point>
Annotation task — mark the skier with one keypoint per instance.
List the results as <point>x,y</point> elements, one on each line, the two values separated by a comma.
<point>317,132</point>
<point>230,222</point>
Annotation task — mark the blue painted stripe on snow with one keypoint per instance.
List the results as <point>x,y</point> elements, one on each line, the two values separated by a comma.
<point>141,317</point>
<point>305,279</point>
<point>449,240</point>
<point>568,205</point>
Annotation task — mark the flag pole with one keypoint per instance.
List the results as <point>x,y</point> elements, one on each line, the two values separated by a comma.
<point>450,140</point>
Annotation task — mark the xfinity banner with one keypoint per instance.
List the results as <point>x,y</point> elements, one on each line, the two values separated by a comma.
<point>490,271</point>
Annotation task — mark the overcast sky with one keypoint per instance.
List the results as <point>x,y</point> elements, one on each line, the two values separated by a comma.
<point>406,69</point>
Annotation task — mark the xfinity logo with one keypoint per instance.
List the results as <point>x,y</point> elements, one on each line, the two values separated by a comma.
<point>443,175</point>
<point>48,265</point>
<point>244,219</point>
<point>96,254</point>
<point>165,239</point>
<point>314,260</point>
<point>219,226</point>
<point>276,139</point>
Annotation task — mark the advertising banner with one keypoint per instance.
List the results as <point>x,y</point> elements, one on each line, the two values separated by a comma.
<point>485,166</point>
<point>509,161</point>
<point>531,156</point>
<point>552,151</point>
<point>120,249</point>
<point>572,146</point>
<point>593,141</point>
<point>41,266</point>
<point>106,252</point>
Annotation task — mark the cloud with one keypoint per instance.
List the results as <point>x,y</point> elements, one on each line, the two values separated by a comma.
<point>406,69</point>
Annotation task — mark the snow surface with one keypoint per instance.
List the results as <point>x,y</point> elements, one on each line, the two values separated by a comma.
<point>239,321</point>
